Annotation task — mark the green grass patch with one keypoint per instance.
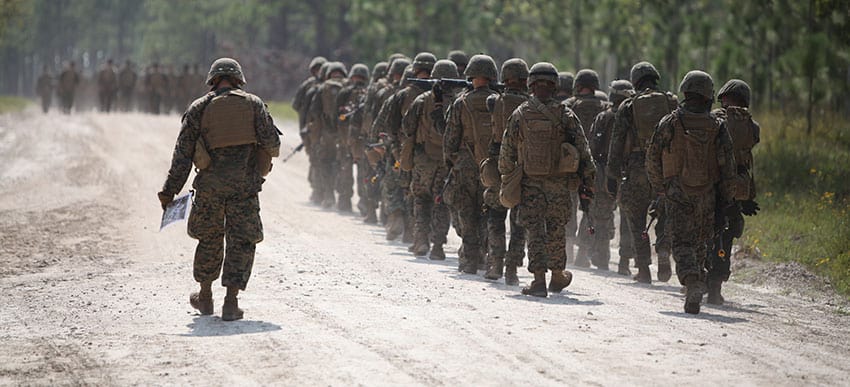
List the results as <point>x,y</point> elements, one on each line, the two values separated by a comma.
<point>803,186</point>
<point>11,104</point>
<point>282,111</point>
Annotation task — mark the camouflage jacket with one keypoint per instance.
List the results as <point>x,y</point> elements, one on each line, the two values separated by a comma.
<point>300,101</point>
<point>233,167</point>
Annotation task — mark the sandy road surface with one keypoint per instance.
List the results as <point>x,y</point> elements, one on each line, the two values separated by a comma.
<point>91,293</point>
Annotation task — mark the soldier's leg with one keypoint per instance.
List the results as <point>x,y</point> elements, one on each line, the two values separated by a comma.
<point>244,230</point>
<point>571,228</point>
<point>635,197</point>
<point>626,250</point>
<point>496,245</point>
<point>361,166</point>
<point>344,179</point>
<point>393,201</point>
<point>422,207</point>
<point>663,246</point>
<point>603,221</point>
<point>516,246</point>
<point>440,215</point>
<point>407,202</point>
<point>206,224</point>
<point>468,203</point>
<point>720,254</point>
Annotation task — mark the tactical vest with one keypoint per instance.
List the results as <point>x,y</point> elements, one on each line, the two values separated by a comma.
<point>477,122</point>
<point>427,133</point>
<point>648,108</point>
<point>330,90</point>
<point>228,120</point>
<point>587,108</point>
<point>742,129</point>
<point>547,148</point>
<point>692,153</point>
<point>600,136</point>
<point>502,110</point>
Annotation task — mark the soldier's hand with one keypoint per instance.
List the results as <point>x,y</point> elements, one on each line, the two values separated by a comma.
<point>165,199</point>
<point>585,196</point>
<point>612,185</point>
<point>749,207</point>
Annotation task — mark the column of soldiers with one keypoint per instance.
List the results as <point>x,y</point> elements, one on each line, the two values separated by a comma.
<point>157,91</point>
<point>529,147</point>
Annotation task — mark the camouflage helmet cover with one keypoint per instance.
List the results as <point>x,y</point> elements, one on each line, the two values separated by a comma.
<point>565,81</point>
<point>380,70</point>
<point>586,78</point>
<point>514,68</point>
<point>444,69</point>
<point>481,66</point>
<point>323,70</point>
<point>395,56</point>
<point>620,90</point>
<point>543,71</point>
<point>397,67</point>
<point>225,67</point>
<point>424,61</point>
<point>360,70</point>
<point>317,62</point>
<point>698,82</point>
<point>641,70</point>
<point>459,57</point>
<point>737,88</point>
<point>336,67</point>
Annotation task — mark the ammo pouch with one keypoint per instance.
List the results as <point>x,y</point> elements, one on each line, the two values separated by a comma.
<point>510,193</point>
<point>489,172</point>
<point>568,163</point>
<point>264,162</point>
<point>201,158</point>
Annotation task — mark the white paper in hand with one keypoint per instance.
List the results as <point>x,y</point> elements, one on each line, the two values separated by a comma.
<point>176,211</point>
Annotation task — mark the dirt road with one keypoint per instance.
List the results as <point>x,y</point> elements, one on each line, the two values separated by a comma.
<point>92,293</point>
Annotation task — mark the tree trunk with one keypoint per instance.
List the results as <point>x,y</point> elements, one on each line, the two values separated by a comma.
<point>321,27</point>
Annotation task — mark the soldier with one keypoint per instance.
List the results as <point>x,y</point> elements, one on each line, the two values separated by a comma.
<point>324,107</point>
<point>69,79</point>
<point>460,59</point>
<point>310,135</point>
<point>545,144</point>
<point>44,88</point>
<point>734,98</point>
<point>466,145</point>
<point>299,102</point>
<point>232,155</point>
<point>565,86</point>
<point>371,192</point>
<point>156,84</point>
<point>126,84</point>
<point>424,124</point>
<point>596,245</point>
<point>350,151</point>
<point>634,123</point>
<point>514,75</point>
<point>107,86</point>
<point>586,104</point>
<point>358,131</point>
<point>690,164</point>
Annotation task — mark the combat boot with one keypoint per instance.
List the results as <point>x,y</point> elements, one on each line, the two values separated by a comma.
<point>371,217</point>
<point>470,261</point>
<point>664,269</point>
<point>560,280</point>
<point>395,225</point>
<point>623,267</point>
<point>420,248</point>
<point>437,253</point>
<point>461,258</point>
<point>230,310</point>
<point>538,286</point>
<point>344,205</point>
<point>714,296</point>
<point>643,276</point>
<point>495,270</point>
<point>693,296</point>
<point>510,275</point>
<point>202,301</point>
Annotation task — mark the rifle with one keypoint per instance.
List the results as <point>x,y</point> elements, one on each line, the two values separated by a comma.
<point>585,196</point>
<point>351,111</point>
<point>653,215</point>
<point>294,151</point>
<point>439,198</point>
<point>449,83</point>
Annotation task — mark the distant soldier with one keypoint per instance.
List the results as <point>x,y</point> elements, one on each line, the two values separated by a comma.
<point>156,84</point>
<point>634,124</point>
<point>69,79</point>
<point>466,144</point>
<point>358,133</point>
<point>349,103</point>
<point>107,86</point>
<point>514,76</point>
<point>596,246</point>
<point>586,104</point>
<point>690,164</point>
<point>425,124</point>
<point>460,59</point>
<point>544,142</point>
<point>127,78</point>
<point>734,98</point>
<point>565,86</point>
<point>299,103</point>
<point>324,106</point>
<point>44,88</point>
<point>310,135</point>
<point>232,152</point>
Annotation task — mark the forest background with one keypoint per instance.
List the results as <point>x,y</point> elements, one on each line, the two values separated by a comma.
<point>794,54</point>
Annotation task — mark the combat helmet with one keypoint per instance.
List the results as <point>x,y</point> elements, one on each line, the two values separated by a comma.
<point>380,70</point>
<point>395,56</point>
<point>360,70</point>
<point>460,58</point>
<point>225,67</point>
<point>317,62</point>
<point>641,70</point>
<point>698,82</point>
<point>620,90</point>
<point>323,70</point>
<point>565,81</point>
<point>514,68</point>
<point>397,67</point>
<point>543,71</point>
<point>735,87</point>
<point>336,66</point>
<point>424,61</point>
<point>586,78</point>
<point>481,66</point>
<point>444,69</point>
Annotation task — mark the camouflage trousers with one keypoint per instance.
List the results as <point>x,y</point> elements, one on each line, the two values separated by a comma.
<point>596,246</point>
<point>392,194</point>
<point>497,247</point>
<point>627,248</point>
<point>326,168</point>
<point>691,222</point>
<point>466,195</point>
<point>544,211</point>
<point>219,215</point>
<point>362,181</point>
<point>731,222</point>
<point>572,227</point>
<point>635,197</point>
<point>431,219</point>
<point>345,173</point>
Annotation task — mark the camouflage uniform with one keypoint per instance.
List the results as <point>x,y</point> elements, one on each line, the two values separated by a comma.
<point>626,158</point>
<point>126,84</point>
<point>107,87</point>
<point>689,161</point>
<point>376,95</point>
<point>44,89</point>
<point>349,103</point>
<point>69,79</point>
<point>324,108</point>
<point>300,102</point>
<point>156,84</point>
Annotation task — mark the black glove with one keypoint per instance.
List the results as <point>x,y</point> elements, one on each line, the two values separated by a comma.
<point>612,186</point>
<point>165,199</point>
<point>749,207</point>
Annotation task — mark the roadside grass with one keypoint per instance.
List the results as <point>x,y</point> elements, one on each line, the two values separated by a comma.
<point>10,104</point>
<point>803,184</point>
<point>282,111</point>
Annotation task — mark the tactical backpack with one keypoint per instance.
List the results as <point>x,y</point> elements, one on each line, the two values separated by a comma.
<point>587,108</point>
<point>481,131</point>
<point>543,152</point>
<point>744,133</point>
<point>692,153</point>
<point>648,108</point>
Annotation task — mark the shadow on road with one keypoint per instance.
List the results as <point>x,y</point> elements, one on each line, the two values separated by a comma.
<point>706,316</point>
<point>557,299</point>
<point>205,326</point>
